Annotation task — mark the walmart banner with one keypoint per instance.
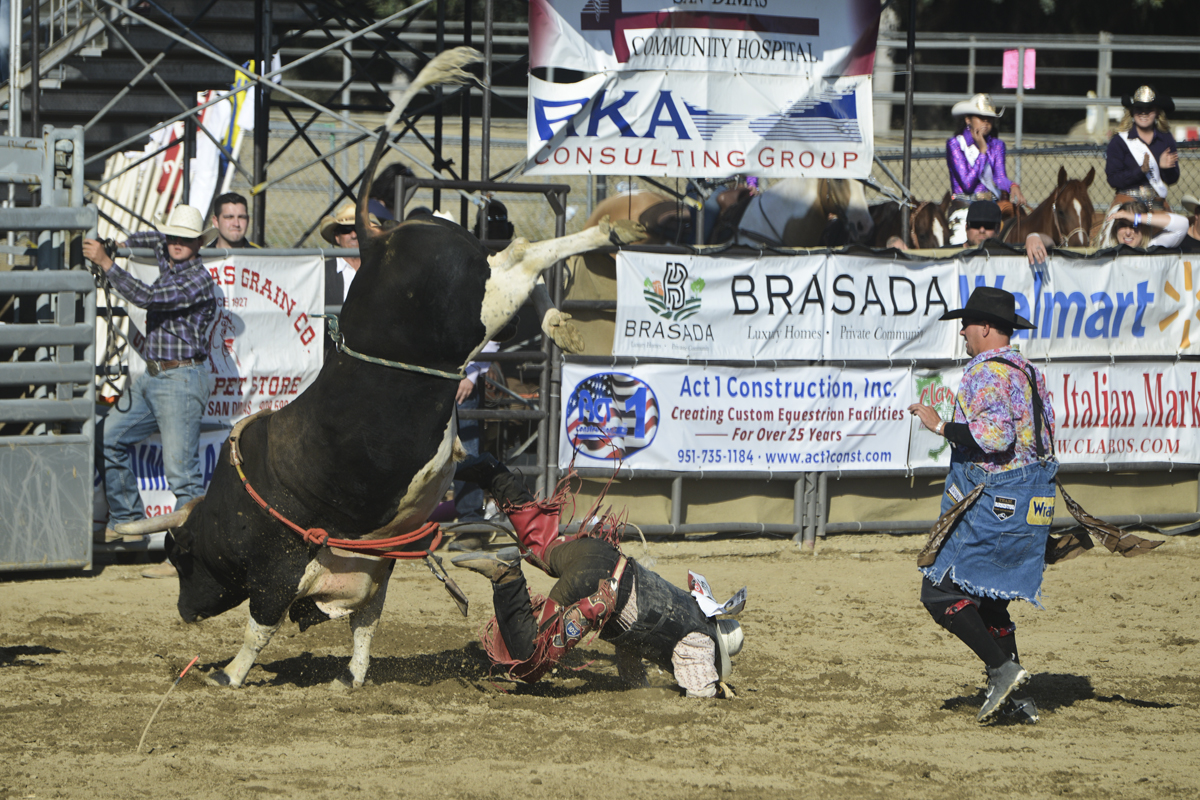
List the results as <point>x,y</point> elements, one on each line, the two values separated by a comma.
<point>860,308</point>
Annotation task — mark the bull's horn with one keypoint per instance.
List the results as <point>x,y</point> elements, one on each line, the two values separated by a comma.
<point>445,67</point>
<point>142,527</point>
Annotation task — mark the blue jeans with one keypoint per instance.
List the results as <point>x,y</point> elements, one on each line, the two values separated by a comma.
<point>171,404</point>
<point>468,497</point>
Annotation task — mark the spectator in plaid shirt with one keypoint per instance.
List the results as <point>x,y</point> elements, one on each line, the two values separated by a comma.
<point>169,397</point>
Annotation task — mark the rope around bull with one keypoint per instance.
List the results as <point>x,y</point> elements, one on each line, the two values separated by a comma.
<point>335,333</point>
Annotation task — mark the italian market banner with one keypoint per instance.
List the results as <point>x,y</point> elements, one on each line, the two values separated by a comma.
<point>264,348</point>
<point>1104,413</point>
<point>776,88</point>
<point>862,308</point>
<point>821,419</point>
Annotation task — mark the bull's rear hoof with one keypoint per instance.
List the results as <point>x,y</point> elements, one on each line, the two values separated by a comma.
<point>219,678</point>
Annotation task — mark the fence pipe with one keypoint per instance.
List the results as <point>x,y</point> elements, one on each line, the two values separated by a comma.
<point>909,89</point>
<point>798,508</point>
<point>918,525</point>
<point>814,512</point>
<point>822,504</point>
<point>1020,126</point>
<point>677,501</point>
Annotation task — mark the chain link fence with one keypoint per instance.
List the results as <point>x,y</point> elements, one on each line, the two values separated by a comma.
<point>296,204</point>
<point>1035,168</point>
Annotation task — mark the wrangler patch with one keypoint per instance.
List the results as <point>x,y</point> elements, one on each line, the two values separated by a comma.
<point>955,493</point>
<point>1004,507</point>
<point>1041,511</point>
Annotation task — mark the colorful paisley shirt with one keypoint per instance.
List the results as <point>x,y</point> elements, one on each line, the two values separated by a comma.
<point>996,403</point>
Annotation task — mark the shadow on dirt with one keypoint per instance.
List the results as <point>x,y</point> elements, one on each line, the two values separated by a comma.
<point>11,656</point>
<point>466,665</point>
<point>1054,690</point>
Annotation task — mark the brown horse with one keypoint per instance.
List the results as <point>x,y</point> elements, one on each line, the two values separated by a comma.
<point>927,226</point>
<point>1065,216</point>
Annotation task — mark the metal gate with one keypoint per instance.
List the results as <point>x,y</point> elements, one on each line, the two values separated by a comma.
<point>47,334</point>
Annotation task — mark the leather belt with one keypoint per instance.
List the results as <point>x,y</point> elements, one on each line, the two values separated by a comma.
<point>155,367</point>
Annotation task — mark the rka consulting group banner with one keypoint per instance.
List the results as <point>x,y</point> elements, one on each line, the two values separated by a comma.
<point>862,308</point>
<point>818,419</point>
<point>777,88</point>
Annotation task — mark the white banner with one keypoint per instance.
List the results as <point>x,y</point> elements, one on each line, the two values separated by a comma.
<point>264,349</point>
<point>673,417</point>
<point>844,307</point>
<point>706,88</point>
<point>683,124</point>
<point>821,419</point>
<point>797,38</point>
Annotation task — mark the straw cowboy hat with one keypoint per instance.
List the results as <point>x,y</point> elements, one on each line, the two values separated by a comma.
<point>980,105</point>
<point>729,638</point>
<point>343,216</point>
<point>1145,97</point>
<point>186,222</point>
<point>1190,202</point>
<point>988,304</point>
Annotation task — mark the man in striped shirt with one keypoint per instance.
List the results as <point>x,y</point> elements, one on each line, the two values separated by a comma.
<point>169,397</point>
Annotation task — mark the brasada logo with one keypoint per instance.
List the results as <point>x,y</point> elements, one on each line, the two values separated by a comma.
<point>669,299</point>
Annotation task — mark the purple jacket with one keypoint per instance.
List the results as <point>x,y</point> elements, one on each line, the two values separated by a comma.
<point>964,178</point>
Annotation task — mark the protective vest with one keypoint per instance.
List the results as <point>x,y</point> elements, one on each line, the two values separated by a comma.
<point>666,614</point>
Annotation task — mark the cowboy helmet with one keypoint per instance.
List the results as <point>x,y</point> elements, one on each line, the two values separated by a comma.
<point>980,106</point>
<point>729,636</point>
<point>1146,98</point>
<point>186,222</point>
<point>343,216</point>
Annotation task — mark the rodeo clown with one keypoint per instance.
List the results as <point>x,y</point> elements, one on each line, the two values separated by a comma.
<point>1002,435</point>
<point>598,589</point>
<point>993,540</point>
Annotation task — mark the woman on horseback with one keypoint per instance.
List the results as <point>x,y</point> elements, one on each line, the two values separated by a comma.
<point>975,157</point>
<point>1141,161</point>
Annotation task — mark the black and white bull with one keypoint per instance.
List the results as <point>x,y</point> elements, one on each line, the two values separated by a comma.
<point>366,451</point>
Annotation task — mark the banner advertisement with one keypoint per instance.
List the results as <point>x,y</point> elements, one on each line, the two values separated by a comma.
<point>822,419</point>
<point>692,124</point>
<point>147,463</point>
<point>710,88</point>
<point>264,349</point>
<point>861,308</point>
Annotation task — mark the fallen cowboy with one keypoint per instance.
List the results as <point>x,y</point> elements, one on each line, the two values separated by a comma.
<point>992,542</point>
<point>309,506</point>
<point>599,590</point>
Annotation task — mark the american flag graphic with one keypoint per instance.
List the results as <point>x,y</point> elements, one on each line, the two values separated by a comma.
<point>611,415</point>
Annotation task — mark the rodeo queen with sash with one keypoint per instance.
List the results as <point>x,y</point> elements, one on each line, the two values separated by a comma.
<point>975,157</point>
<point>599,590</point>
<point>1003,472</point>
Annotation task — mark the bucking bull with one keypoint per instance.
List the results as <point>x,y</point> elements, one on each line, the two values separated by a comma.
<point>366,452</point>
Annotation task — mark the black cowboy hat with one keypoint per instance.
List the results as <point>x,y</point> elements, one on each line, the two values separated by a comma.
<point>987,304</point>
<point>984,211</point>
<point>1146,97</point>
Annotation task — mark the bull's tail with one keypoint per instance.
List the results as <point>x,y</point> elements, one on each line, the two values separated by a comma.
<point>142,527</point>
<point>446,67</point>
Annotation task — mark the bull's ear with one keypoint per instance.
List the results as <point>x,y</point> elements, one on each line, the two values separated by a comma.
<point>179,540</point>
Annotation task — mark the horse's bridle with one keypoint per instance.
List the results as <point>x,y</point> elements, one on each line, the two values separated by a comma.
<point>1084,235</point>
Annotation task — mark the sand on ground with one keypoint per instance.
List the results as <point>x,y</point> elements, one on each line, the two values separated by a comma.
<point>847,690</point>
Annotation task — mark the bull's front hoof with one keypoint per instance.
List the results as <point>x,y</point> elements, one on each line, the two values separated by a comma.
<point>220,678</point>
<point>345,680</point>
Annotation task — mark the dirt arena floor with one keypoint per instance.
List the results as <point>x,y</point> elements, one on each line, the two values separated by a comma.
<point>847,690</point>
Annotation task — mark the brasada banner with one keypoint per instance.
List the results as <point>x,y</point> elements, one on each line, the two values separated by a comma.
<point>862,308</point>
<point>707,88</point>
